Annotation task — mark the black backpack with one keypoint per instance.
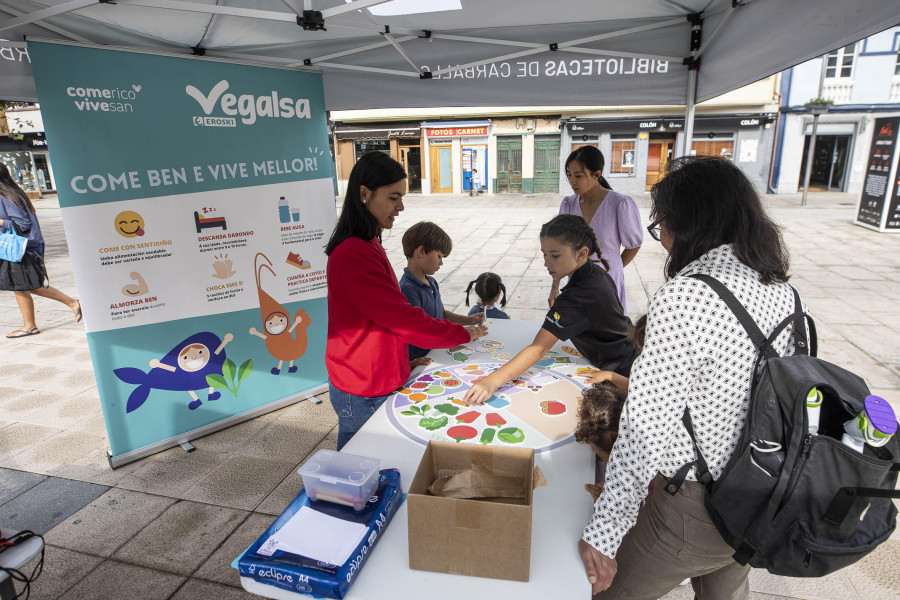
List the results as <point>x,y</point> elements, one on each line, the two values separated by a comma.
<point>793,503</point>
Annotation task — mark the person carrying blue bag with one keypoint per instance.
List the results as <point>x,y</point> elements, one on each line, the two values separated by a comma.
<point>29,276</point>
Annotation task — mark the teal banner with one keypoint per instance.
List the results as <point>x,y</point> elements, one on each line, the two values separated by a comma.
<point>197,199</point>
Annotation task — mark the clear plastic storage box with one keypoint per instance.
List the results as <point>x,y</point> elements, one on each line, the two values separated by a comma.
<point>342,478</point>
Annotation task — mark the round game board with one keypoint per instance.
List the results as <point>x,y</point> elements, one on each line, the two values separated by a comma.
<point>538,410</point>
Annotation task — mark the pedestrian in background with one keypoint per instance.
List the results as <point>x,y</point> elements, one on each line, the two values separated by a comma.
<point>28,277</point>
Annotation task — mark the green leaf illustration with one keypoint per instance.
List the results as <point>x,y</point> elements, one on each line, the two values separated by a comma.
<point>228,369</point>
<point>217,381</point>
<point>410,413</point>
<point>245,370</point>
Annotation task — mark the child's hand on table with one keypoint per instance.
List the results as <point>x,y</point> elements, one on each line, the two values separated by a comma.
<point>476,331</point>
<point>481,391</point>
<point>598,376</point>
<point>474,319</point>
<point>417,362</point>
<point>594,489</point>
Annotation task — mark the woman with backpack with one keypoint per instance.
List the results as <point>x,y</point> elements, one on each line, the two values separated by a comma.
<point>697,359</point>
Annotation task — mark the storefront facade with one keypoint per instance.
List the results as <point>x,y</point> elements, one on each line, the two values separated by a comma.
<point>28,158</point>
<point>401,141</point>
<point>455,156</point>
<point>637,150</point>
<point>526,151</point>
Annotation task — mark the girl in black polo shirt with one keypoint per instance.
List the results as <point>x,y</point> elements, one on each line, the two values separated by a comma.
<point>587,311</point>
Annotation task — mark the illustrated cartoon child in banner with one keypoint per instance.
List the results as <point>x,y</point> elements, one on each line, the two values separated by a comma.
<point>280,340</point>
<point>184,368</point>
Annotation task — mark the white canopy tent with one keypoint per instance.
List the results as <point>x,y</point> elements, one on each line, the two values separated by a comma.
<point>404,53</point>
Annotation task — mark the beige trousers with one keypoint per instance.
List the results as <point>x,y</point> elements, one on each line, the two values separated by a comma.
<point>673,540</point>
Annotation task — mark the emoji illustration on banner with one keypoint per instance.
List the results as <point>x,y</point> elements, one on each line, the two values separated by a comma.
<point>277,332</point>
<point>129,224</point>
<point>131,290</point>
<point>222,267</point>
<point>184,368</point>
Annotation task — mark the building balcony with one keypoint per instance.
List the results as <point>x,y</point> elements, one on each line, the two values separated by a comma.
<point>838,91</point>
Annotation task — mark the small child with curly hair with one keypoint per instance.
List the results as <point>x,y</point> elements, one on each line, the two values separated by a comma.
<point>598,424</point>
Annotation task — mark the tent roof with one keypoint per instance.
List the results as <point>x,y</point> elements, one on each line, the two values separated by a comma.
<point>485,52</point>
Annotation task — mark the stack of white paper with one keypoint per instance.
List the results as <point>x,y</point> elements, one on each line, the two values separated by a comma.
<point>317,536</point>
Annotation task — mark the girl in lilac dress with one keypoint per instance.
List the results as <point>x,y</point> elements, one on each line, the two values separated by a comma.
<point>613,216</point>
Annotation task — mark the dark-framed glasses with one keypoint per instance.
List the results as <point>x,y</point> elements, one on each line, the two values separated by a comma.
<point>654,229</point>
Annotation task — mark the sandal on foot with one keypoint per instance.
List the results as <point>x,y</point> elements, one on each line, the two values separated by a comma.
<point>78,313</point>
<point>19,333</point>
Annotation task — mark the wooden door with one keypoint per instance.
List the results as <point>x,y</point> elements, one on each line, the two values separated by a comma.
<point>441,169</point>
<point>659,153</point>
<point>546,165</point>
<point>509,165</point>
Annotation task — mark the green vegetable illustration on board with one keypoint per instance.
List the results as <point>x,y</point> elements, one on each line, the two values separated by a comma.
<point>447,409</point>
<point>432,424</point>
<point>460,357</point>
<point>511,435</point>
<point>487,436</point>
<point>416,411</point>
<point>231,376</point>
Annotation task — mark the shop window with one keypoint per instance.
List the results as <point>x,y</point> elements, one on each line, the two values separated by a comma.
<point>897,65</point>
<point>720,148</point>
<point>840,62</point>
<point>622,160</point>
<point>363,146</point>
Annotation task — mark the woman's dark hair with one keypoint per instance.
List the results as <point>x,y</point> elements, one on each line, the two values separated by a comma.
<point>599,415</point>
<point>637,333</point>
<point>705,202</point>
<point>487,287</point>
<point>373,170</point>
<point>10,190</point>
<point>575,232</point>
<point>591,159</point>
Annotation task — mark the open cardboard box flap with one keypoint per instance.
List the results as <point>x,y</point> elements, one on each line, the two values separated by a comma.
<point>484,537</point>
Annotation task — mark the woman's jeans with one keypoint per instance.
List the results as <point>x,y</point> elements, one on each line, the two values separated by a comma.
<point>352,411</point>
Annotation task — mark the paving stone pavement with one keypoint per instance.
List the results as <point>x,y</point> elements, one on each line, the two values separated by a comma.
<point>169,525</point>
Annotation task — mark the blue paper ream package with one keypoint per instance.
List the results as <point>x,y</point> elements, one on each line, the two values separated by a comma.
<point>306,576</point>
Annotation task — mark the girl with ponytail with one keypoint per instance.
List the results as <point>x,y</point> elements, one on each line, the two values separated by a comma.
<point>489,288</point>
<point>587,310</point>
<point>613,217</point>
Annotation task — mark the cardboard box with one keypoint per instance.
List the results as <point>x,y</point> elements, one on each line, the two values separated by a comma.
<point>478,537</point>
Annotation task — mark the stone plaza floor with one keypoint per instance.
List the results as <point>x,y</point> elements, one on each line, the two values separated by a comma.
<point>169,525</point>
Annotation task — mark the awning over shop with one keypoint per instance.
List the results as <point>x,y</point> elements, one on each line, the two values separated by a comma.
<point>376,132</point>
<point>578,127</point>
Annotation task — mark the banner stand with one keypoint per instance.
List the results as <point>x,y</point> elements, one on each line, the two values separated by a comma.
<point>197,198</point>
<point>878,207</point>
<point>189,436</point>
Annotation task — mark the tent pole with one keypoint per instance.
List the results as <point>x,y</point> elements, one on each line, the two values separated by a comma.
<point>693,65</point>
<point>46,25</point>
<point>812,139</point>
<point>689,112</point>
<point>47,12</point>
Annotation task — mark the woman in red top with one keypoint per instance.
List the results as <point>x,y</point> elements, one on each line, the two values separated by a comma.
<point>370,321</point>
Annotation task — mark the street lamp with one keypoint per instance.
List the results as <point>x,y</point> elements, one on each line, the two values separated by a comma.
<point>816,107</point>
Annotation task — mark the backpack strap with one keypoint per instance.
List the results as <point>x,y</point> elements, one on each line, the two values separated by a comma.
<point>762,343</point>
<point>845,497</point>
<point>702,470</point>
<point>756,335</point>
<point>799,319</point>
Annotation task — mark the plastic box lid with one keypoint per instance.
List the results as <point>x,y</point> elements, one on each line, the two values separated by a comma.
<point>333,467</point>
